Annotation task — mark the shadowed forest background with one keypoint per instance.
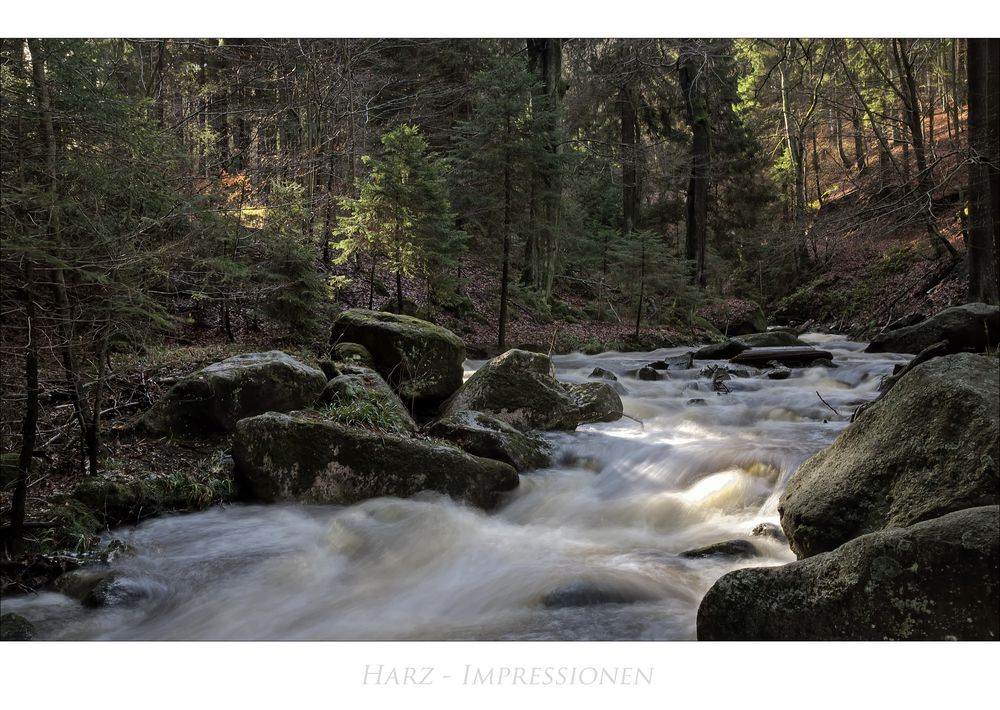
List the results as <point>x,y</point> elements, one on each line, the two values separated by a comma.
<point>165,201</point>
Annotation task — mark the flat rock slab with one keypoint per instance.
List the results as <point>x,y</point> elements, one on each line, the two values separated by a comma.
<point>739,549</point>
<point>785,355</point>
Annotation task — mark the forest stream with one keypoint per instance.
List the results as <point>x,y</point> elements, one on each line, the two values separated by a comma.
<point>612,514</point>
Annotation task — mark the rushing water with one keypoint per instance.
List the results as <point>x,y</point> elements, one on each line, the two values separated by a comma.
<point>619,504</point>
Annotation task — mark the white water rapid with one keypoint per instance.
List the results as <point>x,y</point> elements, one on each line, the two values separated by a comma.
<point>619,503</point>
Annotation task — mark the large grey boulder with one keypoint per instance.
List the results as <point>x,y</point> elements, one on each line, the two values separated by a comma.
<point>928,447</point>
<point>934,580</point>
<point>519,387</point>
<point>486,436</point>
<point>212,400</point>
<point>420,360</point>
<point>301,458</point>
<point>974,326</point>
<point>596,401</point>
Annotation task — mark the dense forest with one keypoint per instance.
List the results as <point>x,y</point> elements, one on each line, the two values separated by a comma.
<point>170,202</point>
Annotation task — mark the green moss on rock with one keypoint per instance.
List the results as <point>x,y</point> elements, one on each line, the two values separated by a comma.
<point>936,580</point>
<point>365,400</point>
<point>927,448</point>
<point>973,326</point>
<point>282,458</point>
<point>115,502</point>
<point>352,354</point>
<point>213,399</point>
<point>488,437</point>
<point>518,387</point>
<point>420,360</point>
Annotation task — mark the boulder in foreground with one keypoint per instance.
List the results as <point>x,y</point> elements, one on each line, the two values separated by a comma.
<point>927,448</point>
<point>936,580</point>
<point>212,400</point>
<point>297,458</point>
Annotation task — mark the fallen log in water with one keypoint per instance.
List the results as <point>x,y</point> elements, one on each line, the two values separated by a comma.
<point>759,357</point>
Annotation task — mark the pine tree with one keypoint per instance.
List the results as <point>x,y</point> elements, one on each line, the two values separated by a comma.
<point>296,287</point>
<point>402,214</point>
<point>493,158</point>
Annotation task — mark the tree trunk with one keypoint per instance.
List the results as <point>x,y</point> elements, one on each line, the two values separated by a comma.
<point>642,284</point>
<point>925,178</point>
<point>505,267</point>
<point>794,146</point>
<point>839,131</point>
<point>29,424</point>
<point>545,61</point>
<point>64,315</point>
<point>859,140</point>
<point>815,162</point>
<point>629,119</point>
<point>696,204</point>
<point>984,72</point>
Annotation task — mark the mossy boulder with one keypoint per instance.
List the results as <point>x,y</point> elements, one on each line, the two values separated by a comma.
<point>420,360</point>
<point>927,448</point>
<point>352,354</point>
<point>118,502</point>
<point>518,387</point>
<point>936,580</point>
<point>212,400</point>
<point>365,400</point>
<point>285,458</point>
<point>596,401</point>
<point>14,627</point>
<point>972,327</point>
<point>772,339</point>
<point>486,436</point>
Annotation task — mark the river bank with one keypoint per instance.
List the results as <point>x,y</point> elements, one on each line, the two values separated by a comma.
<point>609,518</point>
